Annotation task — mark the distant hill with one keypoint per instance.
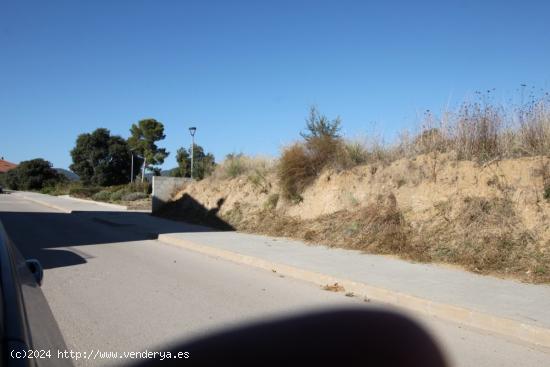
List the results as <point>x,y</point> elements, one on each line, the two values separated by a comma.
<point>74,177</point>
<point>167,172</point>
<point>69,174</point>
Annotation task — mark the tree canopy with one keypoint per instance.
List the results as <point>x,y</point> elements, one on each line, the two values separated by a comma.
<point>34,174</point>
<point>100,158</point>
<point>203,164</point>
<point>184,164</point>
<point>144,136</point>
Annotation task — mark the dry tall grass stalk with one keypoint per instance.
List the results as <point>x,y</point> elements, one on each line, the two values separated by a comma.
<point>235,165</point>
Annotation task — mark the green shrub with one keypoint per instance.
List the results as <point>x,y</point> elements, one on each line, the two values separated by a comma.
<point>357,153</point>
<point>117,195</point>
<point>319,126</point>
<point>117,192</point>
<point>115,188</point>
<point>34,174</point>
<point>103,195</point>
<point>272,201</point>
<point>144,187</point>
<point>547,192</point>
<point>259,180</point>
<point>61,188</point>
<point>84,191</point>
<point>48,190</point>
<point>235,166</point>
<point>132,196</point>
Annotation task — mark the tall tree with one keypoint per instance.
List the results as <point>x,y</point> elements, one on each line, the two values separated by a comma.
<point>203,164</point>
<point>184,164</point>
<point>100,158</point>
<point>144,136</point>
<point>33,175</point>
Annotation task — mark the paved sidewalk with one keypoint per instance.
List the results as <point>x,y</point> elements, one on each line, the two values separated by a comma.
<point>504,306</point>
<point>527,303</point>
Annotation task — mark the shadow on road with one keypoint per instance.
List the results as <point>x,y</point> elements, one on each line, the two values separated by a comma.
<point>190,210</point>
<point>45,235</point>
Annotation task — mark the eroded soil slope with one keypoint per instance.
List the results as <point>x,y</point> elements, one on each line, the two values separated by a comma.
<point>491,218</point>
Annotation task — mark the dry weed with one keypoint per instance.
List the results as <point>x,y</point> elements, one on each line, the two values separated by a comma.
<point>334,288</point>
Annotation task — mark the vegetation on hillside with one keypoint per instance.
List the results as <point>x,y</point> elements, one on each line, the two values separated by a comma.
<point>478,131</point>
<point>484,229</point>
<point>203,163</point>
<point>34,174</point>
<point>102,159</point>
<point>142,141</point>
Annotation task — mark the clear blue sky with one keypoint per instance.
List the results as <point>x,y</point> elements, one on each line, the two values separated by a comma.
<point>246,72</point>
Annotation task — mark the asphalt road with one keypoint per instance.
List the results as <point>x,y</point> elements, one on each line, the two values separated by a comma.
<point>113,289</point>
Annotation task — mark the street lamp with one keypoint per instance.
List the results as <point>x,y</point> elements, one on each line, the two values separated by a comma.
<point>192,131</point>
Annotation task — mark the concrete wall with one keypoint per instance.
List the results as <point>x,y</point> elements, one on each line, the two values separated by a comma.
<point>163,188</point>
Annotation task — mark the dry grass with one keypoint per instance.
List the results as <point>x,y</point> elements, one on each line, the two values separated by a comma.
<point>235,165</point>
<point>478,131</point>
<point>334,288</point>
<point>377,228</point>
<point>482,235</point>
<point>485,233</point>
<point>534,130</point>
<point>481,131</point>
<point>295,171</point>
<point>301,163</point>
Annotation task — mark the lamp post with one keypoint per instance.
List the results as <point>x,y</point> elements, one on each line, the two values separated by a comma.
<point>192,131</point>
<point>132,168</point>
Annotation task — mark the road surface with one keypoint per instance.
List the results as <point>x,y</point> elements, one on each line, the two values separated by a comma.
<point>113,288</point>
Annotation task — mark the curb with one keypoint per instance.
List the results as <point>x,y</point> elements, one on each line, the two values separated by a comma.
<point>115,206</point>
<point>60,208</point>
<point>500,325</point>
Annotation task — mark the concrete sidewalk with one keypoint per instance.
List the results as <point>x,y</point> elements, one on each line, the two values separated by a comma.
<point>506,307</point>
<point>503,306</point>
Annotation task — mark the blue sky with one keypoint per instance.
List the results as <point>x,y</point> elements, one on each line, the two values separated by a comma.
<point>246,72</point>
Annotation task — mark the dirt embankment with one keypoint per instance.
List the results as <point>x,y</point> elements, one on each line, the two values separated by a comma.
<point>491,218</point>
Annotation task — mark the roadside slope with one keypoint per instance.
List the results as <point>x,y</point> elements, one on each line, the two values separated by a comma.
<point>488,218</point>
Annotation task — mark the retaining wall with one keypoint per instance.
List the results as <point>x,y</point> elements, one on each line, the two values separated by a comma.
<point>163,188</point>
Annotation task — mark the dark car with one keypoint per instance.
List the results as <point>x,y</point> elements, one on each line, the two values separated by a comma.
<point>30,334</point>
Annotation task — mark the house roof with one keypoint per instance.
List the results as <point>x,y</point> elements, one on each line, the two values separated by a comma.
<point>5,166</point>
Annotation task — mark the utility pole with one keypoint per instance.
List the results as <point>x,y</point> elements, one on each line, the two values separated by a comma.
<point>192,131</point>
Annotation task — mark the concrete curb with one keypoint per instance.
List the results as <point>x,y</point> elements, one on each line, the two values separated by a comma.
<point>115,206</point>
<point>57,207</point>
<point>500,325</point>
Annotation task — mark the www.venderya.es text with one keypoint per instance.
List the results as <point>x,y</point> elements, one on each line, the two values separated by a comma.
<point>94,354</point>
